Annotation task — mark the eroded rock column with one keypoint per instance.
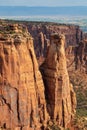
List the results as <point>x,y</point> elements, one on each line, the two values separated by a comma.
<point>60,96</point>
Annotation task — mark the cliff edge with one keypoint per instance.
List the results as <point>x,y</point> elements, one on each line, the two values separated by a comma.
<point>22,99</point>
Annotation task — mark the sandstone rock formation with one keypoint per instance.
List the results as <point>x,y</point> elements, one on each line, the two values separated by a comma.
<point>43,43</point>
<point>22,92</point>
<point>80,56</point>
<point>60,96</point>
<point>22,99</point>
<point>72,33</point>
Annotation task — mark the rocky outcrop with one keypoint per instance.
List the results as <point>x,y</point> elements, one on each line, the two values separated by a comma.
<point>60,96</point>
<point>25,103</point>
<point>72,33</point>
<point>41,32</point>
<point>22,99</point>
<point>80,56</point>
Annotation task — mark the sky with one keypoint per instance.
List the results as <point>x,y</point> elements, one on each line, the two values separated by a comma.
<point>43,2</point>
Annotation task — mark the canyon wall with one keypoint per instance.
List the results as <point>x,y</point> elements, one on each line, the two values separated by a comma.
<point>41,32</point>
<point>22,99</point>
<point>26,102</point>
<point>80,56</point>
<point>75,51</point>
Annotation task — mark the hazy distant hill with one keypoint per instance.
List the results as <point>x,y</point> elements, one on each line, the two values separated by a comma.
<point>26,11</point>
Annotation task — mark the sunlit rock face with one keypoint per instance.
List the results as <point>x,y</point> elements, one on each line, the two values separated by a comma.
<point>41,32</point>
<point>60,96</point>
<point>22,99</point>
<point>26,102</point>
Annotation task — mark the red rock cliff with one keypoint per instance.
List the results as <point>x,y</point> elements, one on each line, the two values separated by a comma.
<point>22,100</point>
<point>80,56</point>
<point>60,96</point>
<point>72,33</point>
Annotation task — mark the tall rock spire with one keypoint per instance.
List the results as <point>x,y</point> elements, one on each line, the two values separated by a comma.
<point>60,96</point>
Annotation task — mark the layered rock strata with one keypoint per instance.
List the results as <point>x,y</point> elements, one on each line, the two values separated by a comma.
<point>41,32</point>
<point>60,96</point>
<point>22,95</point>
<point>22,99</point>
<point>80,56</point>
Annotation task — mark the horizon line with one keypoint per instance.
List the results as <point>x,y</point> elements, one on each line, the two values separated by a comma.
<point>42,6</point>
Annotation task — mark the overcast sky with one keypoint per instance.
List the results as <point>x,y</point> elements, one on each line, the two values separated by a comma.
<point>44,2</point>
